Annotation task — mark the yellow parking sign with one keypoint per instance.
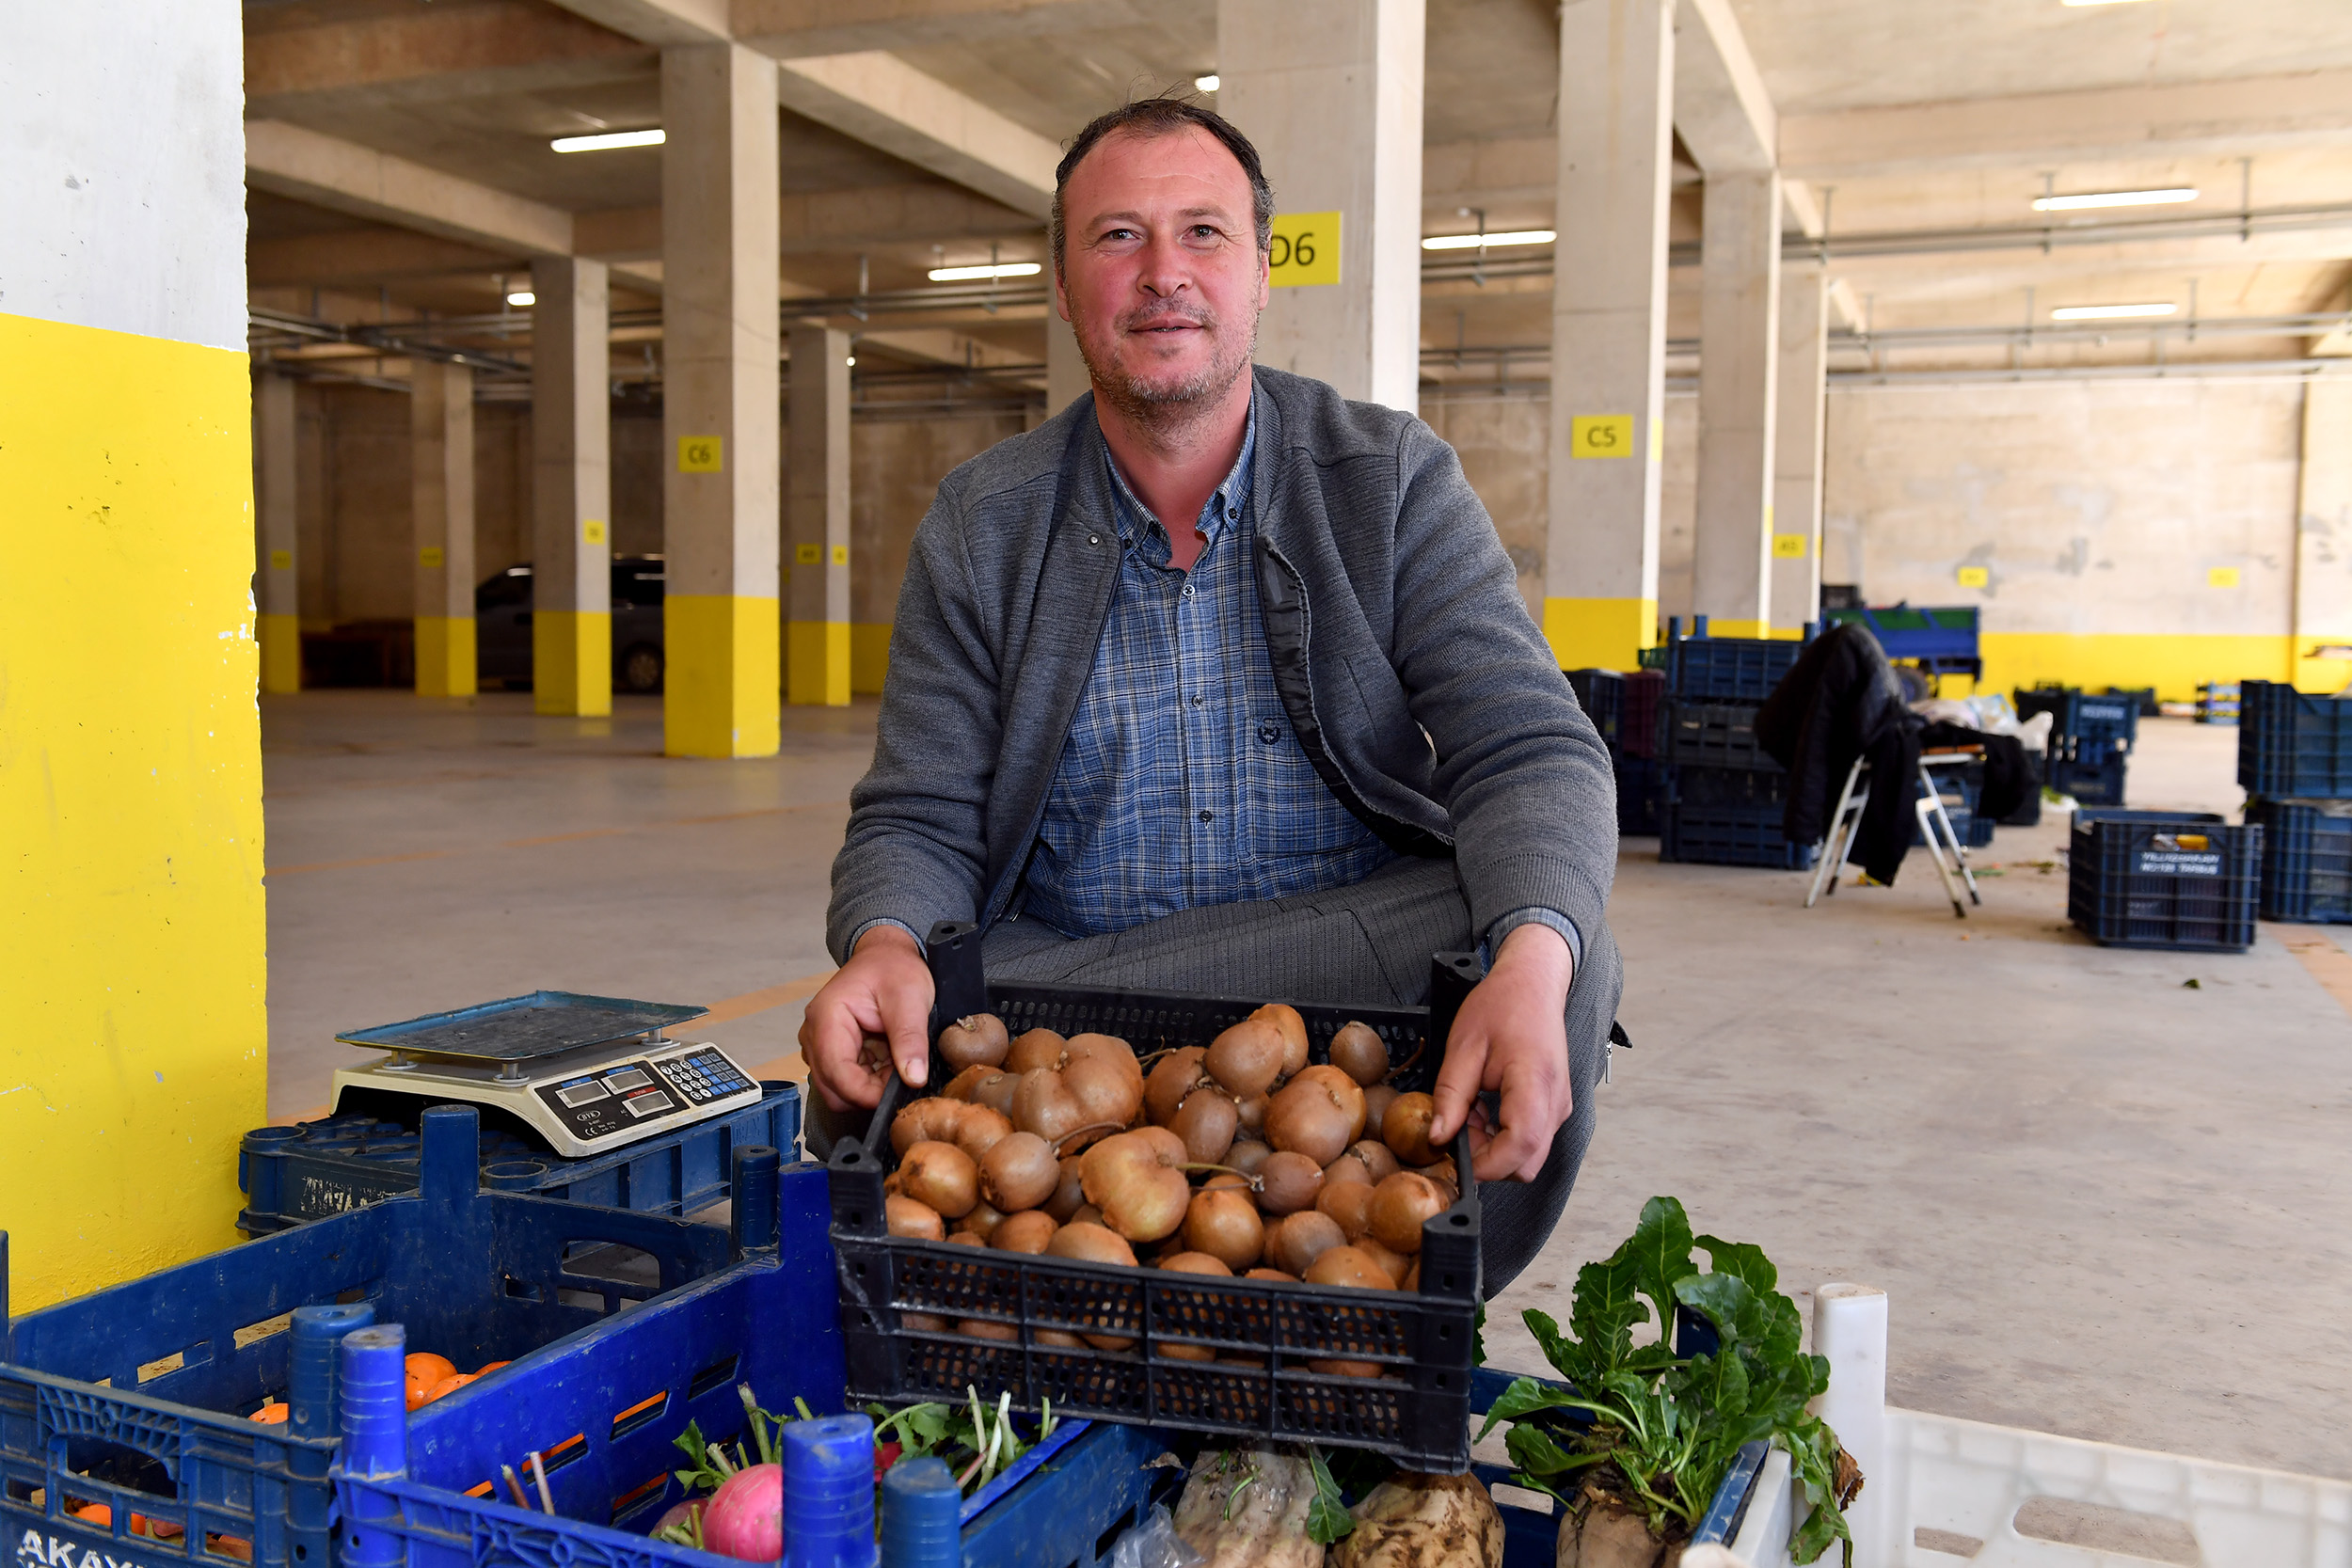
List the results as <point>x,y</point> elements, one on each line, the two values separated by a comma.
<point>1600,436</point>
<point>1305,249</point>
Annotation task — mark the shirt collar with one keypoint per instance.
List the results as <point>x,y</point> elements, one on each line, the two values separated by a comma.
<point>1223,508</point>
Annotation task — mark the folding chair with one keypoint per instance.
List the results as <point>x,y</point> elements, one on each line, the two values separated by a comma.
<point>1845,824</point>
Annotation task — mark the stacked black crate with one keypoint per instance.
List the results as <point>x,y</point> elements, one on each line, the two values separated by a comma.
<point>1623,709</point>
<point>1725,795</point>
<point>2089,738</point>
<point>2295,759</point>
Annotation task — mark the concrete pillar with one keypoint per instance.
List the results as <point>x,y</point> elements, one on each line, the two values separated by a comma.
<point>440,489</point>
<point>278,618</point>
<point>1739,331</point>
<point>1609,331</point>
<point>1331,93</point>
<point>2323,535</point>
<point>1797,426</point>
<point>720,392</point>
<point>816,522</point>
<point>571,488</point>
<point>1065,372</point>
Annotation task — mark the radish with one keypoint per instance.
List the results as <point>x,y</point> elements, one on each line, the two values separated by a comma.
<point>685,1519</point>
<point>745,1518</point>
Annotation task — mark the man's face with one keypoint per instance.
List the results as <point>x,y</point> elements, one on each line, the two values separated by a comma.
<point>1162,280</point>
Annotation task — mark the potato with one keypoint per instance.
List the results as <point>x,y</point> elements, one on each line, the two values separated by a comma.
<point>1419,1521</point>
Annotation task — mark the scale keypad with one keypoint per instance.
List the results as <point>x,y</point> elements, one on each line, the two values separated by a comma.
<point>628,1097</point>
<point>703,1076</point>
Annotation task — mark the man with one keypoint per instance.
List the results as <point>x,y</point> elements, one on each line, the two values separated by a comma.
<point>1217,682</point>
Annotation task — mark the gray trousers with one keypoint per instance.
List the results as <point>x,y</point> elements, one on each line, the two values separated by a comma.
<point>1369,943</point>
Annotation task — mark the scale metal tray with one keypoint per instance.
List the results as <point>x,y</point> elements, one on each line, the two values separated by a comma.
<point>523,1028</point>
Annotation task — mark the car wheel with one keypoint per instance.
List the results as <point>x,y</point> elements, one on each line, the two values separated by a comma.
<point>641,669</point>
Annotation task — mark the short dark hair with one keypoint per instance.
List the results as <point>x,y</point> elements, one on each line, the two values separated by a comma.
<point>1161,116</point>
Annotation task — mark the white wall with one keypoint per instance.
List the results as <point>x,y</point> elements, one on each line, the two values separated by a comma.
<point>131,220</point>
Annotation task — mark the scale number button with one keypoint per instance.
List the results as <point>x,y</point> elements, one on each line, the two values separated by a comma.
<point>625,1080</point>
<point>583,1094</point>
<point>650,1104</point>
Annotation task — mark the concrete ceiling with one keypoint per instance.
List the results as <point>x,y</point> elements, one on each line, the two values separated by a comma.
<point>1903,116</point>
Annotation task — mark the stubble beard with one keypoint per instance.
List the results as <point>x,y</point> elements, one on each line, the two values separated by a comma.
<point>1167,410</point>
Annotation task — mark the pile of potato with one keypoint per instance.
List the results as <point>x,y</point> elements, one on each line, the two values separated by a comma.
<point>1235,1159</point>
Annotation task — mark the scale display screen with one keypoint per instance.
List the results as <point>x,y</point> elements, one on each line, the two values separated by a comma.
<point>633,1096</point>
<point>649,1104</point>
<point>626,1079</point>
<point>583,1094</point>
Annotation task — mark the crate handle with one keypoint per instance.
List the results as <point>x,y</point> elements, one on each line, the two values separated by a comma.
<point>754,1219</point>
<point>959,984</point>
<point>449,1164</point>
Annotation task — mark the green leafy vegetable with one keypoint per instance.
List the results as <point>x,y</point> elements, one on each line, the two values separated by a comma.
<point>1327,1518</point>
<point>1668,1426</point>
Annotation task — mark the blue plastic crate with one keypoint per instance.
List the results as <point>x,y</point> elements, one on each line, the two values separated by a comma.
<point>2293,746</point>
<point>605,1407</point>
<point>1941,638</point>
<point>1641,785</point>
<point>2091,784</point>
<point>2182,880</point>
<point>1729,669</point>
<point>308,1172</point>
<point>2306,862</point>
<point>1714,735</point>
<point>1602,694</point>
<point>137,1397</point>
<point>1691,785</point>
<point>1729,835</point>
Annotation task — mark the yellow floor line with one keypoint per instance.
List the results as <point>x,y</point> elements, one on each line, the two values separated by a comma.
<point>2329,964</point>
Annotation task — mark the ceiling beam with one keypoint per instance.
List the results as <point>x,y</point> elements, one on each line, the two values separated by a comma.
<point>328,171</point>
<point>659,22</point>
<point>425,55</point>
<point>827,222</point>
<point>2226,117</point>
<point>1722,111</point>
<point>374,255</point>
<point>885,103</point>
<point>792,28</point>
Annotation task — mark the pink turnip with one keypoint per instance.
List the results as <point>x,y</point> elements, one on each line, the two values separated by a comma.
<point>681,1521</point>
<point>745,1518</point>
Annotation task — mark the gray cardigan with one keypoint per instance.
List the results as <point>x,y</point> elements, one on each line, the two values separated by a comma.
<point>1422,692</point>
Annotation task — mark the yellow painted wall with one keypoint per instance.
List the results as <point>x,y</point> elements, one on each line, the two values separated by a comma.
<point>131,943</point>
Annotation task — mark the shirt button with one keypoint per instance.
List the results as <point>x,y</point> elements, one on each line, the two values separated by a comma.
<point>1208,816</point>
<point>1189,590</point>
<point>1198,700</point>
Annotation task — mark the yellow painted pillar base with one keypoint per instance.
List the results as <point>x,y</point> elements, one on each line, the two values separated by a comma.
<point>445,655</point>
<point>817,663</point>
<point>1600,634</point>
<point>571,663</point>
<point>869,658</point>
<point>282,652</point>
<point>720,687</point>
<point>1738,629</point>
<point>133,964</point>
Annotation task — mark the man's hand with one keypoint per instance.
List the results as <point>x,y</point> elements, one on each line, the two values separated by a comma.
<point>1511,1035</point>
<point>883,991</point>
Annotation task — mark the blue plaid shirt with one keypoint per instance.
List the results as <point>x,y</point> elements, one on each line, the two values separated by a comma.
<point>1180,784</point>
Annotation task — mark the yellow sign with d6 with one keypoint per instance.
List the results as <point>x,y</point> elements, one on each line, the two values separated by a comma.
<point>1305,249</point>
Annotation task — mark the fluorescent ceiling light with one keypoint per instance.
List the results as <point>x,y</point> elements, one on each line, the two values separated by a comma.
<point>2115,199</point>
<point>1001,269</point>
<point>2108,312</point>
<point>608,139</point>
<point>1472,242</point>
<point>853,361</point>
<point>522,296</point>
<point>1206,84</point>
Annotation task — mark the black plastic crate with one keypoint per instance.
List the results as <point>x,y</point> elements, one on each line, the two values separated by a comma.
<point>1691,785</point>
<point>2291,745</point>
<point>1417,1411</point>
<point>2306,862</point>
<point>1730,835</point>
<point>1639,699</point>
<point>1600,693</point>
<point>317,1168</point>
<point>2171,880</point>
<point>1713,734</point>
<point>2091,784</point>
<point>1729,669</point>
<point>1641,790</point>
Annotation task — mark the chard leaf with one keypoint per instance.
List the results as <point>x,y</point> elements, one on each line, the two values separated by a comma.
<point>1478,1337</point>
<point>1744,1260</point>
<point>1327,1518</point>
<point>1660,1252</point>
<point>1538,1453</point>
<point>1725,1301</point>
<point>1604,1316</point>
<point>1524,1398</point>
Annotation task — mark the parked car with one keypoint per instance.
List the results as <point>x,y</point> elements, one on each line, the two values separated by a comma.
<point>501,608</point>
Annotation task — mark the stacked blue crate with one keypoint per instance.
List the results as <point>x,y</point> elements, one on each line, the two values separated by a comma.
<point>2091,736</point>
<point>1724,796</point>
<point>2295,758</point>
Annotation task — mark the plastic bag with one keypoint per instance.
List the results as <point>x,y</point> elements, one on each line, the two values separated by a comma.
<point>1153,1544</point>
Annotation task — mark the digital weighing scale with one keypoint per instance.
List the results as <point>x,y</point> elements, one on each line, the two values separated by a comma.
<point>587,1073</point>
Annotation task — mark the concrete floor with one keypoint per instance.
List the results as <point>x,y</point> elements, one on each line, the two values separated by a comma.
<point>2104,1203</point>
